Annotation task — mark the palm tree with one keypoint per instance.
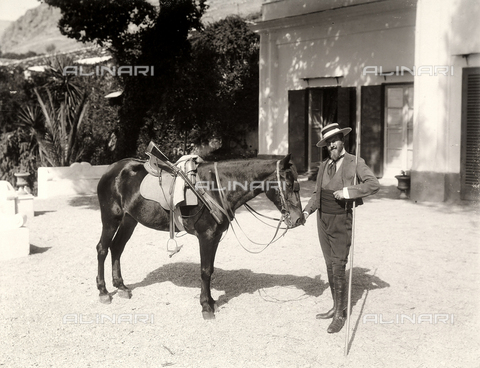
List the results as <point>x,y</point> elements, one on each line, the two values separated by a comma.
<point>57,118</point>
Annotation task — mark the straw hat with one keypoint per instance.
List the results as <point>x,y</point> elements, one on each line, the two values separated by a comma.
<point>329,131</point>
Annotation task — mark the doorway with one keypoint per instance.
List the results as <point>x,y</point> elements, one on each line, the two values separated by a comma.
<point>398,129</point>
<point>308,112</point>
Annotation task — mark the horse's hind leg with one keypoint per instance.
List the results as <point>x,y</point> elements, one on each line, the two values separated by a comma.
<point>108,231</point>
<point>123,234</point>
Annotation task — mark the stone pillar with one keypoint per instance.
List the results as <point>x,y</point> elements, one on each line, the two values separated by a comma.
<point>14,236</point>
<point>431,106</point>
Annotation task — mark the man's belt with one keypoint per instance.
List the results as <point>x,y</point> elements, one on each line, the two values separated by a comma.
<point>331,205</point>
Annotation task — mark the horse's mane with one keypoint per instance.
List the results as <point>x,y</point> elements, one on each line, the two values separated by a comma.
<point>242,164</point>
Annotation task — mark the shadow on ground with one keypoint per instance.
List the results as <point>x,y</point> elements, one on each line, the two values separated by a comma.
<point>37,250</point>
<point>237,282</point>
<point>391,192</point>
<point>454,207</point>
<point>89,202</point>
<point>362,282</point>
<point>40,213</point>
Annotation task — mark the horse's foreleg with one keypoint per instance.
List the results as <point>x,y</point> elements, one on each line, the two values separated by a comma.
<point>102,251</point>
<point>208,249</point>
<point>123,234</point>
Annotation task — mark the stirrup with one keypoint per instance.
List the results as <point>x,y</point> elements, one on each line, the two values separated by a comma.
<point>175,250</point>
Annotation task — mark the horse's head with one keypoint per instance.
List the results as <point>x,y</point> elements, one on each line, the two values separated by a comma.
<point>285,194</point>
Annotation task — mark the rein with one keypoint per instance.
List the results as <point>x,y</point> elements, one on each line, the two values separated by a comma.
<point>254,212</point>
<point>250,240</point>
<point>227,210</point>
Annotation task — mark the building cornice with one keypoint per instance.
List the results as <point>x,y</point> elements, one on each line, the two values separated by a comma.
<point>333,15</point>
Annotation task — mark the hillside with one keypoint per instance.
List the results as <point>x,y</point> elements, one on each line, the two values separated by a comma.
<point>37,30</point>
<point>4,25</point>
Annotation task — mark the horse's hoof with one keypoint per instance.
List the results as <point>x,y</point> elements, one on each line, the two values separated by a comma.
<point>105,299</point>
<point>208,315</point>
<point>126,294</point>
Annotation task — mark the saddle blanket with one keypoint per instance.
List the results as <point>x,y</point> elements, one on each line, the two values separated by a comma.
<point>150,189</point>
<point>161,189</point>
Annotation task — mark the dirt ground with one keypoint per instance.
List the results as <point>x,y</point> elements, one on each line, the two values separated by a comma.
<point>416,293</point>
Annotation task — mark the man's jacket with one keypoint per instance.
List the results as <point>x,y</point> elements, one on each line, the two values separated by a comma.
<point>367,183</point>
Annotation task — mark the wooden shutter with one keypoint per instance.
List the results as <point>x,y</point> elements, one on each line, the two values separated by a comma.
<point>347,97</point>
<point>470,160</point>
<point>372,130</point>
<point>297,128</point>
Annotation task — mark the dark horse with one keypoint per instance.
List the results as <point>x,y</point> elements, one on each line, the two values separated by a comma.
<point>122,207</point>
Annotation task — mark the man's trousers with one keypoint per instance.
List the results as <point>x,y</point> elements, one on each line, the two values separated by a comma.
<point>335,234</point>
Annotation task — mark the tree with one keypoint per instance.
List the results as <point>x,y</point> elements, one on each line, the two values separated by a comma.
<point>18,148</point>
<point>235,49</point>
<point>136,33</point>
<point>217,93</point>
<point>13,94</point>
<point>101,121</point>
<point>118,25</point>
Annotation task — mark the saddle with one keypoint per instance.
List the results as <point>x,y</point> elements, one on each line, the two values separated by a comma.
<point>173,186</point>
<point>169,190</point>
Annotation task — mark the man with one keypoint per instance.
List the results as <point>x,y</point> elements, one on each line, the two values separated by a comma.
<point>333,197</point>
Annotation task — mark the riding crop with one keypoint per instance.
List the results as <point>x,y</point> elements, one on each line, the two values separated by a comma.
<point>350,261</point>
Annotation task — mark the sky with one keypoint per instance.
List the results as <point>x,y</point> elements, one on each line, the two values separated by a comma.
<point>14,9</point>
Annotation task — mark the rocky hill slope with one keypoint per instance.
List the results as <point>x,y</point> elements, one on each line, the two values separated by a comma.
<point>3,26</point>
<point>37,30</point>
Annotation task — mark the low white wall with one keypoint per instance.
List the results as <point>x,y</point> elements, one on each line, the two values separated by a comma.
<point>79,178</point>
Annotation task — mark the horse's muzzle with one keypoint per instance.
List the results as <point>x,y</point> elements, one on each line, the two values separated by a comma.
<point>291,223</point>
<point>300,221</point>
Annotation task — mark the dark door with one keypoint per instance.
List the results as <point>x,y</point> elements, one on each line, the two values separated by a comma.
<point>308,112</point>
<point>470,156</point>
<point>297,128</point>
<point>328,105</point>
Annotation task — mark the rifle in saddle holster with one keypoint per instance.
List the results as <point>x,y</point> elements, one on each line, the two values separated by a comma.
<point>171,168</point>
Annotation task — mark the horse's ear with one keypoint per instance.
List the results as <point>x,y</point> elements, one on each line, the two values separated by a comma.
<point>286,162</point>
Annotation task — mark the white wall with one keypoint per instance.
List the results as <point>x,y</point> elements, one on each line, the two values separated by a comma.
<point>316,39</point>
<point>77,179</point>
<point>443,34</point>
<point>338,42</point>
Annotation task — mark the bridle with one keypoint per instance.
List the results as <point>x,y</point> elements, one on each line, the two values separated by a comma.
<point>285,213</point>
<point>283,202</point>
<point>225,208</point>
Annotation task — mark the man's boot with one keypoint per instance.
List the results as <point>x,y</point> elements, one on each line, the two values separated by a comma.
<point>339,316</point>
<point>330,313</point>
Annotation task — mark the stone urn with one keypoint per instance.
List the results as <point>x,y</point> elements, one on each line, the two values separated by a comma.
<point>22,183</point>
<point>403,184</point>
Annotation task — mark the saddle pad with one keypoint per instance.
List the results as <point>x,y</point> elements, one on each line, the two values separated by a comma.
<point>150,189</point>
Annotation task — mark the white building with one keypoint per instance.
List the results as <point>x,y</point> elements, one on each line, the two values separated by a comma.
<point>406,71</point>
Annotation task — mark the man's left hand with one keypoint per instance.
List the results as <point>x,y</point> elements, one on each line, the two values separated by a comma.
<point>338,195</point>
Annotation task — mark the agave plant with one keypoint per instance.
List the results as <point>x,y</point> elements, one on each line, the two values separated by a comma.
<point>30,117</point>
<point>56,125</point>
<point>57,117</point>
